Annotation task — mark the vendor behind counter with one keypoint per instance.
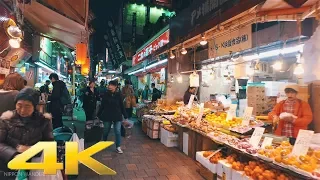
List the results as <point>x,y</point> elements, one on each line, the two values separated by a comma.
<point>214,104</point>
<point>291,115</point>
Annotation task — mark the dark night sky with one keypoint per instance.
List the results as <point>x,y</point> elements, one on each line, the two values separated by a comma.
<point>103,9</point>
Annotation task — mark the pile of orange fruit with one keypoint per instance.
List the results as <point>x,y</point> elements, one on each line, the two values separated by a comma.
<point>258,171</point>
<point>215,158</point>
<point>281,154</point>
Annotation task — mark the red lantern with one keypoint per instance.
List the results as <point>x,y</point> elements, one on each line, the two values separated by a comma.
<point>85,68</point>
<point>81,53</point>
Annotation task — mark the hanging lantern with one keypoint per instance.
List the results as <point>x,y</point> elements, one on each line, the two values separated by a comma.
<point>85,68</point>
<point>81,53</point>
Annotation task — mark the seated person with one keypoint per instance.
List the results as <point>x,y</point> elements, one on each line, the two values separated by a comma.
<point>22,127</point>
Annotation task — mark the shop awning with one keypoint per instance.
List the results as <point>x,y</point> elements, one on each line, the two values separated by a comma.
<point>53,24</point>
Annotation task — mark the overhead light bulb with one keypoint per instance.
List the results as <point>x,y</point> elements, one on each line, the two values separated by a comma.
<point>179,78</point>
<point>14,32</point>
<point>14,43</point>
<point>184,51</point>
<point>203,41</point>
<point>298,70</point>
<point>277,66</point>
<point>172,56</point>
<point>172,80</point>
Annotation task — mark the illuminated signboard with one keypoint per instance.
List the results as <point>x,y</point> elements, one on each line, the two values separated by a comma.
<point>159,42</point>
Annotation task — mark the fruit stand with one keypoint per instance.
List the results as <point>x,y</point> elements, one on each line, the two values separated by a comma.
<point>232,138</point>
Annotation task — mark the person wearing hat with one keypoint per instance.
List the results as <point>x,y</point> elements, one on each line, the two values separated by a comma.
<point>111,112</point>
<point>291,114</point>
<point>23,127</point>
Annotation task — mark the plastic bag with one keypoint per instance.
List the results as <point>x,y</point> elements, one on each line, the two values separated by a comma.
<point>285,115</point>
<point>80,142</point>
<point>38,174</point>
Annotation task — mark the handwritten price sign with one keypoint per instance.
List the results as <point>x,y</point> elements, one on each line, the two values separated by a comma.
<point>256,136</point>
<point>266,142</point>
<point>190,101</point>
<point>246,116</point>
<point>200,114</point>
<point>302,143</point>
<point>232,112</point>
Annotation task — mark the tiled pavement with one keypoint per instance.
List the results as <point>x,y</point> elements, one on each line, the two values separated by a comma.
<point>144,159</point>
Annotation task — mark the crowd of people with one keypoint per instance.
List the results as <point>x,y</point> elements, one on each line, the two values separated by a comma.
<point>23,125</point>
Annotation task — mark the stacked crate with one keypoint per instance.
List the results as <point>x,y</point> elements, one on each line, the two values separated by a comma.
<point>257,99</point>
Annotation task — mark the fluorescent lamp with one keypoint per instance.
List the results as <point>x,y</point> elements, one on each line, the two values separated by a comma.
<point>49,69</point>
<point>157,63</point>
<point>149,67</point>
<point>276,52</point>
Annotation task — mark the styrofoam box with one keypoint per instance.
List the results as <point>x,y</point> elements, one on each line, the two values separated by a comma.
<point>169,139</point>
<point>224,169</point>
<point>206,162</point>
<point>239,175</point>
<point>185,142</point>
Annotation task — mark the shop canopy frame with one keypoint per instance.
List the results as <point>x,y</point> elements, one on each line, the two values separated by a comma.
<point>267,11</point>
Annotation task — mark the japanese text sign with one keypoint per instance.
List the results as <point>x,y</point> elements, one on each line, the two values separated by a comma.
<point>246,116</point>
<point>231,42</point>
<point>302,143</point>
<point>256,136</point>
<point>232,112</point>
<point>159,42</point>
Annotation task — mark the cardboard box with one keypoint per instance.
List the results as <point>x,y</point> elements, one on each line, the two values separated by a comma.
<point>256,90</point>
<point>153,134</point>
<point>224,170</point>
<point>144,126</point>
<point>154,125</point>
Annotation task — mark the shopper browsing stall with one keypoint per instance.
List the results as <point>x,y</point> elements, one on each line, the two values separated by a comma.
<point>292,114</point>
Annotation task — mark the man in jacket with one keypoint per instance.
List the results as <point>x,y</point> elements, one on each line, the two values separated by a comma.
<point>156,93</point>
<point>112,111</point>
<point>56,107</point>
<point>300,114</point>
<point>45,87</point>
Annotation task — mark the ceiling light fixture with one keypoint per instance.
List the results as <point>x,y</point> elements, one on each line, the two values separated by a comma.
<point>203,41</point>
<point>15,43</point>
<point>172,56</point>
<point>183,51</point>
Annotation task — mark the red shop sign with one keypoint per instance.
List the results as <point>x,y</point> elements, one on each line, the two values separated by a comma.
<point>159,42</point>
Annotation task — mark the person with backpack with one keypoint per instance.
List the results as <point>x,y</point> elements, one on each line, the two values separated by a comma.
<point>156,93</point>
<point>59,98</point>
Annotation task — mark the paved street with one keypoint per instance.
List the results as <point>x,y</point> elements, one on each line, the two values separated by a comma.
<point>143,159</point>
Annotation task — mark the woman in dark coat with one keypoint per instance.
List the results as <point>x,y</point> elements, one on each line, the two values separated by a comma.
<point>23,127</point>
<point>90,101</point>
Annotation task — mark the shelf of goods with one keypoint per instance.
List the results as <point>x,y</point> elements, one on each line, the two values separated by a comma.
<point>238,159</point>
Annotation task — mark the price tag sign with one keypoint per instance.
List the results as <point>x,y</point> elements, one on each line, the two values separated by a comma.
<point>200,113</point>
<point>232,112</point>
<point>246,116</point>
<point>302,143</point>
<point>266,142</point>
<point>190,101</point>
<point>256,136</point>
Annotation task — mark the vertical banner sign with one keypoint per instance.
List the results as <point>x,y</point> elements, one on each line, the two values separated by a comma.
<point>134,31</point>
<point>246,116</point>
<point>256,137</point>
<point>107,55</point>
<point>114,45</point>
<point>302,143</point>
<point>232,112</point>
